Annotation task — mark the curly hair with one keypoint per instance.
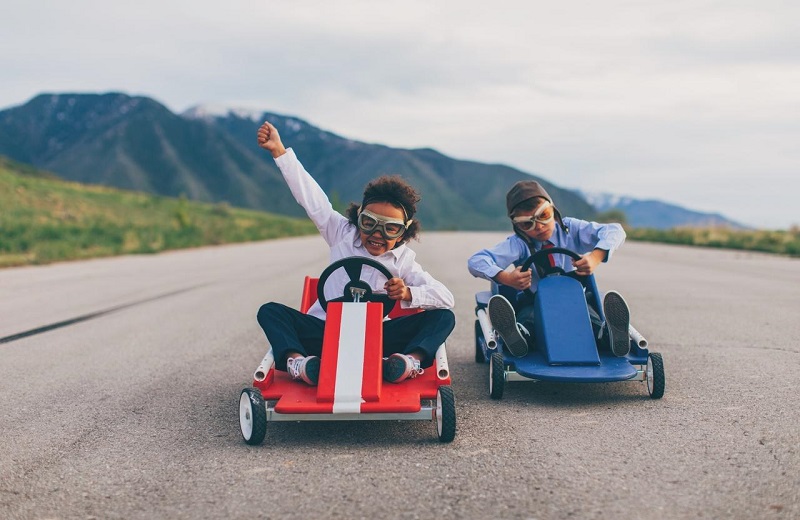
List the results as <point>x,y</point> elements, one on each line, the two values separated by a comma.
<point>394,190</point>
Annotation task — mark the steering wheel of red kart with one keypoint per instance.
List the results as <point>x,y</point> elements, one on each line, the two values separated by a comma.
<point>352,266</point>
<point>542,264</point>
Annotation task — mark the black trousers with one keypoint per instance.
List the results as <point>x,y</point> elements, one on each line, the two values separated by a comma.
<point>289,330</point>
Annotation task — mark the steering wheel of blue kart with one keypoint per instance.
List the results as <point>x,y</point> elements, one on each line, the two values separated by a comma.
<point>356,286</point>
<point>542,264</point>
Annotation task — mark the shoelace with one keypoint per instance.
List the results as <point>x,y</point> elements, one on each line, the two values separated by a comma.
<point>416,370</point>
<point>522,328</point>
<point>602,330</point>
<point>293,364</point>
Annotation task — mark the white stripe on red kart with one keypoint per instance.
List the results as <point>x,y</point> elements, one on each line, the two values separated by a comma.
<point>350,363</point>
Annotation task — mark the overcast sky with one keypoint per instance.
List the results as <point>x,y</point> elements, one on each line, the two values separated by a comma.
<point>692,102</point>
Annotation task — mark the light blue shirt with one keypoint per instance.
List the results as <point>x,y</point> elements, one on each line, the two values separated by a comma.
<point>583,237</point>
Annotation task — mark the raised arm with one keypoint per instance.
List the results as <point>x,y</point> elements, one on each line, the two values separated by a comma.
<point>304,188</point>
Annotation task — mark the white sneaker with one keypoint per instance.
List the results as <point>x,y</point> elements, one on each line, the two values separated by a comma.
<point>399,367</point>
<point>304,368</point>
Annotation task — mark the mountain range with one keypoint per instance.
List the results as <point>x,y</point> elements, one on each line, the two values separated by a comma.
<point>656,214</point>
<point>136,143</point>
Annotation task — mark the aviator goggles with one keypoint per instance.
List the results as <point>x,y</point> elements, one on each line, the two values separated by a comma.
<point>544,215</point>
<point>390,228</point>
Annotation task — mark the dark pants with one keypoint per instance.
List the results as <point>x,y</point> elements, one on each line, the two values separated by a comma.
<point>289,330</point>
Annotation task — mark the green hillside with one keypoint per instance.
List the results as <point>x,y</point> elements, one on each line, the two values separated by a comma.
<point>782,242</point>
<point>136,143</point>
<point>44,219</point>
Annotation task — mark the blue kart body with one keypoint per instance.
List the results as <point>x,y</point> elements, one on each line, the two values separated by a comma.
<point>566,350</point>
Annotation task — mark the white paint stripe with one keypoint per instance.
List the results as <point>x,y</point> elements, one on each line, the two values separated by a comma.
<point>350,365</point>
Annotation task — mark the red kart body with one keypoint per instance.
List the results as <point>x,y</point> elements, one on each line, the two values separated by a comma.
<point>351,385</point>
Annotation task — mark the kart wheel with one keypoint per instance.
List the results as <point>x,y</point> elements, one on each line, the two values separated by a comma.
<point>497,376</point>
<point>655,375</point>
<point>445,414</point>
<point>252,416</point>
<point>479,357</point>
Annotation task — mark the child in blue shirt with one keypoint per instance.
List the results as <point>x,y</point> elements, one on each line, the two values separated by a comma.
<point>538,224</point>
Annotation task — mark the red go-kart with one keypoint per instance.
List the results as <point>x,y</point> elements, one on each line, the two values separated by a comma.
<point>351,385</point>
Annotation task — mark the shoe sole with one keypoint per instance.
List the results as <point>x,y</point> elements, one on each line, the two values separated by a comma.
<point>312,371</point>
<point>618,319</point>
<point>397,367</point>
<point>504,321</point>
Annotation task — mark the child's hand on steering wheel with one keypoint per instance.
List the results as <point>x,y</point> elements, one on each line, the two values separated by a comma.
<point>518,279</point>
<point>397,289</point>
<point>587,264</point>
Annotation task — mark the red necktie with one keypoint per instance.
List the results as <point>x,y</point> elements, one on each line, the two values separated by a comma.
<point>548,245</point>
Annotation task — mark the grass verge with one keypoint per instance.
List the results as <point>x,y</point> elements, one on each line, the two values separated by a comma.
<point>779,242</point>
<point>44,219</point>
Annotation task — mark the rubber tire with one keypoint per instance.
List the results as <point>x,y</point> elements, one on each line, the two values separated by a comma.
<point>257,415</point>
<point>446,421</point>
<point>479,356</point>
<point>656,387</point>
<point>497,376</point>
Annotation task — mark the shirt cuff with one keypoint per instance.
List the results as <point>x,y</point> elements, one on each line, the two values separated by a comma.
<point>491,272</point>
<point>608,247</point>
<point>289,156</point>
<point>414,299</point>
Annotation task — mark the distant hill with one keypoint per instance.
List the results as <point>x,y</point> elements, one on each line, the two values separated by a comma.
<point>136,143</point>
<point>46,219</point>
<point>656,214</point>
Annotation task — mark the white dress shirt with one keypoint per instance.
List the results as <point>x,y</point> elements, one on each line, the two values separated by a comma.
<point>344,240</point>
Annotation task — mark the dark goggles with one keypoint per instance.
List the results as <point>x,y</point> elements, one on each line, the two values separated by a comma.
<point>390,228</point>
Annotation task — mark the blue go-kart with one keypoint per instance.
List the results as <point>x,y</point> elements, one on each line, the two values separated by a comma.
<point>566,350</point>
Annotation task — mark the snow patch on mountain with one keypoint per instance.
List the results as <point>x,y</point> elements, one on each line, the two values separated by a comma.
<point>604,201</point>
<point>654,213</point>
<point>211,111</point>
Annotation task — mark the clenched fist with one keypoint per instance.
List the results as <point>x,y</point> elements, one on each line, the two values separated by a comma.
<point>269,139</point>
<point>397,289</point>
<point>517,279</point>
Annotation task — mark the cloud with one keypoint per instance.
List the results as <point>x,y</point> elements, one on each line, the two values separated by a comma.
<point>628,96</point>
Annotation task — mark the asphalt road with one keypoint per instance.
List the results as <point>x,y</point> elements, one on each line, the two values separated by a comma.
<point>131,411</point>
